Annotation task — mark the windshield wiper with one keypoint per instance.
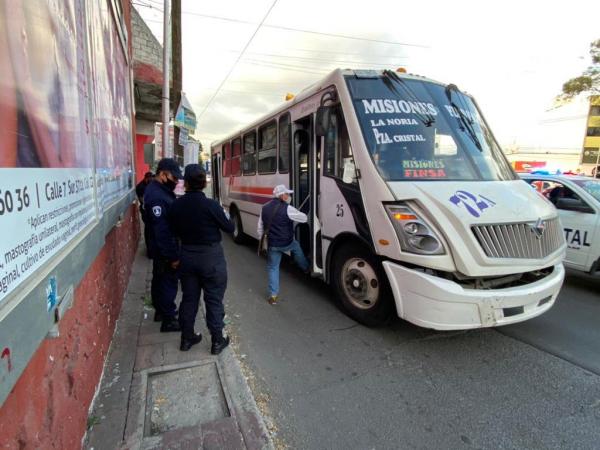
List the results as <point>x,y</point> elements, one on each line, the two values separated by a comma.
<point>426,118</point>
<point>465,123</point>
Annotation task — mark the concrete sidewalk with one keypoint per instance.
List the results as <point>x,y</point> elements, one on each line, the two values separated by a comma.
<point>153,396</point>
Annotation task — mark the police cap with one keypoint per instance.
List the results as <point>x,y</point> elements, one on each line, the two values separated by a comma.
<point>195,176</point>
<point>171,165</point>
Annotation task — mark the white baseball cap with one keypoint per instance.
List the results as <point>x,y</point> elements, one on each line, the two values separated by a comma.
<point>280,189</point>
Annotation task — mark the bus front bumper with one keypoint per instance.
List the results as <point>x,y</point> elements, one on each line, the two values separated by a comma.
<point>434,302</point>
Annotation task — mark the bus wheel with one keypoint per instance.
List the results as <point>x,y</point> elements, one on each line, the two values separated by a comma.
<point>361,286</point>
<point>238,229</point>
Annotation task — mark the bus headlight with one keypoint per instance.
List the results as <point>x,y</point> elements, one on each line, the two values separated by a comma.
<point>414,233</point>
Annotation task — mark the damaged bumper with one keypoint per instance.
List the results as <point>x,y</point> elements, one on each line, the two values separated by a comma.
<point>434,302</point>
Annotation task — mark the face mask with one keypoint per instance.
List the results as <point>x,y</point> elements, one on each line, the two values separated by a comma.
<point>288,200</point>
<point>171,184</point>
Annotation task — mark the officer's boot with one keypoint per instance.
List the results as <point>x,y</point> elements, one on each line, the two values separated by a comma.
<point>170,324</point>
<point>188,340</point>
<point>219,342</point>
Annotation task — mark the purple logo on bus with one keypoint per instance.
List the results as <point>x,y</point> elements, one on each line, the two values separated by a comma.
<point>474,204</point>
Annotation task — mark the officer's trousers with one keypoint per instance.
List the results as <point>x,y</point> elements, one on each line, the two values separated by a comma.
<point>202,269</point>
<point>164,287</point>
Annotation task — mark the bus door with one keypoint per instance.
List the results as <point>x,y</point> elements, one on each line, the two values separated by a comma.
<point>216,176</point>
<point>340,207</point>
<point>302,179</point>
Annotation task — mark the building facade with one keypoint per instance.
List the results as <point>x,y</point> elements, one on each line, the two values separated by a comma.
<point>67,214</point>
<point>590,155</point>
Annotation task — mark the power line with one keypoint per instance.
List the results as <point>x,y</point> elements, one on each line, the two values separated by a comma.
<point>344,53</point>
<point>320,59</point>
<point>237,60</point>
<point>297,30</point>
<point>306,58</point>
<point>272,66</point>
<point>149,4</point>
<point>274,83</point>
<point>141,4</point>
<point>281,67</point>
<point>279,27</point>
<point>245,92</point>
<point>309,69</point>
<point>153,21</point>
<point>286,64</point>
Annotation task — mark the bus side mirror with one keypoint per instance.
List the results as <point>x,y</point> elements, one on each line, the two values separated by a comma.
<point>323,119</point>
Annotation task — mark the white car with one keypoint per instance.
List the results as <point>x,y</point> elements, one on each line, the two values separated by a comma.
<point>577,200</point>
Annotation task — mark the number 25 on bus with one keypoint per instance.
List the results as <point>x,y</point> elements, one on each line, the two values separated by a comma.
<point>413,208</point>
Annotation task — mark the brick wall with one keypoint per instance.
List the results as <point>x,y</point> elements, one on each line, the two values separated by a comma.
<point>48,407</point>
<point>146,49</point>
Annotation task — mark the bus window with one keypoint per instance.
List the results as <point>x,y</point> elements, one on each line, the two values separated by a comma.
<point>267,148</point>
<point>339,161</point>
<point>236,167</point>
<point>226,160</point>
<point>249,158</point>
<point>301,152</point>
<point>284,143</point>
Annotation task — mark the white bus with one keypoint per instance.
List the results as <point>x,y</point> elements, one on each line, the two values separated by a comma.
<point>413,208</point>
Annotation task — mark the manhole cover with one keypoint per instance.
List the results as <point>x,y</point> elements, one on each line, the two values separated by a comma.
<point>184,397</point>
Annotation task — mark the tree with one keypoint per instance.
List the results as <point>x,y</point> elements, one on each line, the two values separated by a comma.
<point>588,82</point>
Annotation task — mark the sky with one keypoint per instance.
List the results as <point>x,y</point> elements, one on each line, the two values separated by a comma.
<point>513,56</point>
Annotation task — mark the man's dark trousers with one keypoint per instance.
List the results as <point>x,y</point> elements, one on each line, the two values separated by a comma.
<point>164,288</point>
<point>146,232</point>
<point>202,268</point>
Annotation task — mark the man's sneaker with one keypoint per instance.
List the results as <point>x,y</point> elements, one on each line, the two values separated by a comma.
<point>218,344</point>
<point>169,325</point>
<point>189,341</point>
<point>272,300</point>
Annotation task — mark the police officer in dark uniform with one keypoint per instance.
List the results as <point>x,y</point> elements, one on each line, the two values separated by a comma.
<point>162,246</point>
<point>197,221</point>
<point>140,189</point>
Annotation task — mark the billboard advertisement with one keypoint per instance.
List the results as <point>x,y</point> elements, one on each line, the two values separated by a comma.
<point>65,151</point>
<point>111,105</point>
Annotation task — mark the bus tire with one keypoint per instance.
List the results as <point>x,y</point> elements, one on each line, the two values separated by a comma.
<point>361,286</point>
<point>238,229</point>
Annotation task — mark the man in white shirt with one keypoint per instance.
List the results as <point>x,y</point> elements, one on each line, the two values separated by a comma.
<point>277,220</point>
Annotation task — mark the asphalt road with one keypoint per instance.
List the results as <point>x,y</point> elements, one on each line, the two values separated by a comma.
<point>331,383</point>
<point>571,329</point>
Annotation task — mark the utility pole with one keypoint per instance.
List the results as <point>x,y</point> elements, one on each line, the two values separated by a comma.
<point>177,71</point>
<point>165,96</point>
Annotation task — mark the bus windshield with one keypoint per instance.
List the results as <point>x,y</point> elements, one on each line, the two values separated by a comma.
<point>419,130</point>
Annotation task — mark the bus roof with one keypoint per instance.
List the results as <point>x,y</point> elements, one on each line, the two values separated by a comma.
<point>335,76</point>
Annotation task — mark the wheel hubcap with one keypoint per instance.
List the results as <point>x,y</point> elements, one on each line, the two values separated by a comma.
<point>360,283</point>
